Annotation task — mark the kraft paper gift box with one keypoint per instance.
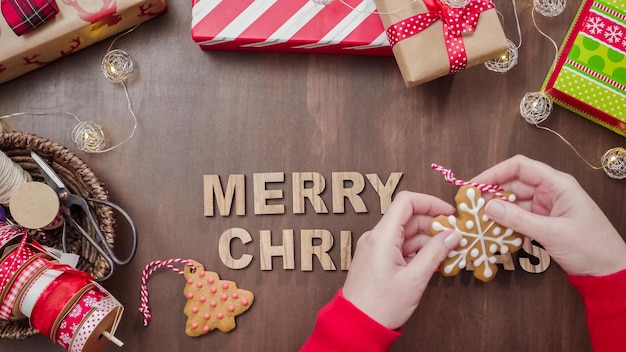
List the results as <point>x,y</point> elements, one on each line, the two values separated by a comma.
<point>78,24</point>
<point>589,76</point>
<point>301,26</point>
<point>421,49</point>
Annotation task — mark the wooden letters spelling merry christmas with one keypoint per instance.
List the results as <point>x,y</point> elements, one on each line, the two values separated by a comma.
<point>268,194</point>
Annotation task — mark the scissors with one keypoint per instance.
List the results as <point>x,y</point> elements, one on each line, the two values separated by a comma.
<point>70,202</point>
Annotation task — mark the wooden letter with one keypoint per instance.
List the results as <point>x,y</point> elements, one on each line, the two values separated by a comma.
<point>299,180</point>
<point>384,190</point>
<point>346,249</point>
<point>308,249</point>
<point>224,200</point>
<point>262,195</point>
<point>539,255</point>
<point>340,191</point>
<point>224,248</point>
<point>268,251</point>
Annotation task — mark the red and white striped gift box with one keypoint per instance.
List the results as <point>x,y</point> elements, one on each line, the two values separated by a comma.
<point>341,27</point>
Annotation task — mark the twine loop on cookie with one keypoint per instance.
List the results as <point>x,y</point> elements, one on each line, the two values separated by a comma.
<point>148,270</point>
<point>495,189</point>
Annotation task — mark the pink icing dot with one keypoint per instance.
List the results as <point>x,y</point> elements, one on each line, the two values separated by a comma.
<point>202,273</point>
<point>235,295</point>
<point>213,289</point>
<point>194,310</point>
<point>231,308</point>
<point>244,302</point>
<point>220,315</point>
<point>194,325</point>
<point>202,299</point>
<point>224,297</point>
<point>190,295</point>
<point>206,328</point>
<point>211,280</point>
<point>225,286</point>
<point>190,282</point>
<point>213,304</point>
<point>207,316</point>
<point>199,284</point>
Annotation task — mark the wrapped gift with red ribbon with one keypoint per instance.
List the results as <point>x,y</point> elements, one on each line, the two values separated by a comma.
<point>54,29</point>
<point>430,39</point>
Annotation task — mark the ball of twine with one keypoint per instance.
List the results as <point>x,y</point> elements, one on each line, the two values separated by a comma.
<point>117,65</point>
<point>535,107</point>
<point>614,163</point>
<point>456,3</point>
<point>506,61</point>
<point>322,2</point>
<point>549,8</point>
<point>12,176</point>
<point>88,136</point>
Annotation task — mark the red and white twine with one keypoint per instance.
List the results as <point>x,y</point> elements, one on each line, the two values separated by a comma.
<point>495,189</point>
<point>148,270</point>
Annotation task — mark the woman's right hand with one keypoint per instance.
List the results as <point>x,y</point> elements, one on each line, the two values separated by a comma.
<point>553,209</point>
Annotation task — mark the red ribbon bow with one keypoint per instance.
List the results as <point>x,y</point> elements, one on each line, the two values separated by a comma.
<point>456,21</point>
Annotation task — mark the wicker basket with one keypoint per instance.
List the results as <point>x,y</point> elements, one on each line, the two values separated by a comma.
<point>80,180</point>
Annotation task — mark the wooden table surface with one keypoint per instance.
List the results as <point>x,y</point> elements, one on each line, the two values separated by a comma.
<point>226,113</point>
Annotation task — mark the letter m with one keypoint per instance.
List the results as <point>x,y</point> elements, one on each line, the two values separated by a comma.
<point>235,189</point>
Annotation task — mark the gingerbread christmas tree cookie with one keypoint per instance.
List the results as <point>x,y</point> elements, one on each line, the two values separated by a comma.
<point>211,302</point>
<point>482,237</point>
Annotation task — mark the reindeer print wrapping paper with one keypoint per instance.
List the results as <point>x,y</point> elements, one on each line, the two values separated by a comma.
<point>78,24</point>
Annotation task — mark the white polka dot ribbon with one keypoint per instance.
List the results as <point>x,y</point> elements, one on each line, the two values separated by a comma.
<point>456,21</point>
<point>99,312</point>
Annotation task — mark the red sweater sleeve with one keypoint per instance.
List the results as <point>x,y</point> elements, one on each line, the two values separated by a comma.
<point>341,326</point>
<point>605,301</point>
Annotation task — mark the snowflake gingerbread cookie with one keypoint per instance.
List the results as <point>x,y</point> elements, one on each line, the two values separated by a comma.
<point>482,237</point>
<point>212,303</point>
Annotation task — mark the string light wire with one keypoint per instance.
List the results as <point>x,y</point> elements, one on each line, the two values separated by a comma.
<point>88,136</point>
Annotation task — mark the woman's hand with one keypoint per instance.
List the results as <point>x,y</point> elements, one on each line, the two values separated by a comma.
<point>387,277</point>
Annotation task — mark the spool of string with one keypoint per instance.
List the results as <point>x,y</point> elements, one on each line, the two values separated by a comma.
<point>536,107</point>
<point>11,177</point>
<point>64,304</point>
<point>88,136</point>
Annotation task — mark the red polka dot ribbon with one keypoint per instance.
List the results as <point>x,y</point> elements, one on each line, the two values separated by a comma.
<point>456,21</point>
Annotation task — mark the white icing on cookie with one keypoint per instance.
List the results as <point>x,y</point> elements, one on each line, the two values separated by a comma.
<point>482,237</point>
